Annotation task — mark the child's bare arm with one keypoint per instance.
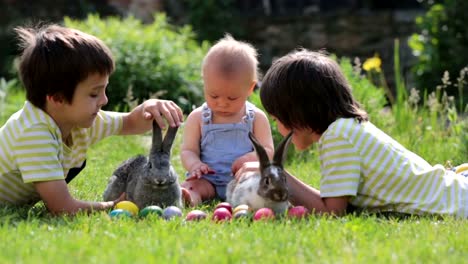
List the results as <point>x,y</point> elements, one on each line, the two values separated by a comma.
<point>190,150</point>
<point>303,194</point>
<point>262,132</point>
<point>58,200</point>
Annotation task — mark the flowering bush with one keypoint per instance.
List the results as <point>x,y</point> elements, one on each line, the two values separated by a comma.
<point>441,46</point>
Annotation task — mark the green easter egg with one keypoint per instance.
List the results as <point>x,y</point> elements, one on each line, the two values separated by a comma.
<point>152,209</point>
<point>120,213</point>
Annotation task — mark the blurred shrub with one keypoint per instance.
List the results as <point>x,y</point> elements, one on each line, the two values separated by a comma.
<point>5,87</point>
<point>212,19</point>
<point>24,13</point>
<point>152,60</point>
<point>441,45</point>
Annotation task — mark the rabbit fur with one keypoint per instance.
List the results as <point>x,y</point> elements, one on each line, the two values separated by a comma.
<point>264,188</point>
<point>148,181</point>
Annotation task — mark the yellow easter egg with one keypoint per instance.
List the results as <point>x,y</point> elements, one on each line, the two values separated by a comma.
<point>241,207</point>
<point>129,206</point>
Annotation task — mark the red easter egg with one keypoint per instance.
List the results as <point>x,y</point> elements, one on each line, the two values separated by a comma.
<point>297,212</point>
<point>221,214</point>
<point>224,205</point>
<point>264,214</point>
<point>195,215</point>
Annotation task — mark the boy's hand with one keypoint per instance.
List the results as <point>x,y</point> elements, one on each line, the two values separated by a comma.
<point>121,198</point>
<point>239,162</point>
<point>251,166</point>
<point>157,109</point>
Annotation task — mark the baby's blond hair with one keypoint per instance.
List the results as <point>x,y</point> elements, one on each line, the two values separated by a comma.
<point>231,56</point>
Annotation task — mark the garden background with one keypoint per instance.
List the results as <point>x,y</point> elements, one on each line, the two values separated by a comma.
<point>407,63</point>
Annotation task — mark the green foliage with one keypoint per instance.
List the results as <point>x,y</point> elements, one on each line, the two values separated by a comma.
<point>441,45</point>
<point>154,60</point>
<point>371,97</point>
<point>23,13</point>
<point>206,16</point>
<point>420,122</point>
<point>7,89</point>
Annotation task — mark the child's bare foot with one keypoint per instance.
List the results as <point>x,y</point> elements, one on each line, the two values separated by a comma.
<point>189,198</point>
<point>186,198</point>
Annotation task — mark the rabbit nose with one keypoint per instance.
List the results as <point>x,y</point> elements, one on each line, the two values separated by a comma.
<point>159,181</point>
<point>280,196</point>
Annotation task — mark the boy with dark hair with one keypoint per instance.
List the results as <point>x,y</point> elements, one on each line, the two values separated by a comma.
<point>43,145</point>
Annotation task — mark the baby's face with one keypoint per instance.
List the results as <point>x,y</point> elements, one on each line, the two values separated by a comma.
<point>226,96</point>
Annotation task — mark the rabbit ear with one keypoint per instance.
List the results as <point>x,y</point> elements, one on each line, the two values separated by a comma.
<point>261,153</point>
<point>169,139</point>
<point>157,138</point>
<point>282,150</point>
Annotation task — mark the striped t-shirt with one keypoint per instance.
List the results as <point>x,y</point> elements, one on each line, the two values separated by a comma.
<point>379,174</point>
<point>32,150</point>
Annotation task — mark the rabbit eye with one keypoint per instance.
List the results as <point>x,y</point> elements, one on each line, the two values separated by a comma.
<point>267,181</point>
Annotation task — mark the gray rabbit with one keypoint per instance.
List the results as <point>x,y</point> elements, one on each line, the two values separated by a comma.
<point>148,181</point>
<point>266,188</point>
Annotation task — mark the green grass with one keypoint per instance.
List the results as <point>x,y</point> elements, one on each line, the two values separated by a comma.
<point>96,239</point>
<point>33,236</point>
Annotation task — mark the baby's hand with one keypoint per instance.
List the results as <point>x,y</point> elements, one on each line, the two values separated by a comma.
<point>199,169</point>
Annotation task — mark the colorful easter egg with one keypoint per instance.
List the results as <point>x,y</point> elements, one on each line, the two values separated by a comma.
<point>241,214</point>
<point>264,214</point>
<point>171,212</point>
<point>195,215</point>
<point>240,208</point>
<point>127,205</point>
<point>120,213</point>
<point>297,212</point>
<point>224,205</point>
<point>151,210</point>
<point>221,214</point>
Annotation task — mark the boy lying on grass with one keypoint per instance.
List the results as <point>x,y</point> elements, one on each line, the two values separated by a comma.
<point>307,93</point>
<point>43,146</point>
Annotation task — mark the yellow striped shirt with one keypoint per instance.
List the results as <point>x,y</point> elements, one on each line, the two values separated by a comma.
<point>32,150</point>
<point>379,174</point>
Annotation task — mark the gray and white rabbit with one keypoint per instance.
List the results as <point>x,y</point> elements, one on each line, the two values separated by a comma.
<point>264,188</point>
<point>148,181</point>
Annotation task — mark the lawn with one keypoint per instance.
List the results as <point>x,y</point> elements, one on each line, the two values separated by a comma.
<point>32,236</point>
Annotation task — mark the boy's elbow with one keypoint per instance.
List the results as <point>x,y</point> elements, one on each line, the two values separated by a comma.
<point>336,206</point>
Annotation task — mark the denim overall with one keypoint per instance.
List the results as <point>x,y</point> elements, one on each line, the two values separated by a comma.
<point>222,144</point>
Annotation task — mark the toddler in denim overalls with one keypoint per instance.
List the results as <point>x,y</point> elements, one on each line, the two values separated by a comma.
<point>216,140</point>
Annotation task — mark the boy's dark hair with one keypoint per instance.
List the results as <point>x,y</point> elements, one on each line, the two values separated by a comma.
<point>306,89</point>
<point>55,59</point>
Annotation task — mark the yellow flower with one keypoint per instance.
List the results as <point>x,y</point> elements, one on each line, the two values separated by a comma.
<point>373,63</point>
